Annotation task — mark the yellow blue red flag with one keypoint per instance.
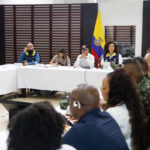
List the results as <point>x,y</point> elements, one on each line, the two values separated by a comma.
<point>98,41</point>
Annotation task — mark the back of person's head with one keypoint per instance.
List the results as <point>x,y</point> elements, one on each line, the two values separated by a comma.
<point>143,64</point>
<point>38,127</point>
<point>106,50</point>
<point>83,99</point>
<point>133,68</point>
<point>122,90</point>
<point>88,95</point>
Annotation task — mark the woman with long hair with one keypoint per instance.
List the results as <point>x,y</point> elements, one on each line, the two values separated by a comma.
<point>61,58</point>
<point>111,54</point>
<point>124,105</point>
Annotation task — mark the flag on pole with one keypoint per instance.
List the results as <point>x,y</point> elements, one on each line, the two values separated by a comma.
<point>98,40</point>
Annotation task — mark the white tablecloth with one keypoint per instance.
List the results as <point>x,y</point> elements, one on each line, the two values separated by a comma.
<point>3,139</point>
<point>45,77</point>
<point>8,79</point>
<point>96,76</point>
<point>57,78</point>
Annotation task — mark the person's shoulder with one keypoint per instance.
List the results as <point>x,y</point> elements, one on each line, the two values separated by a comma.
<point>120,111</point>
<point>55,56</point>
<point>66,147</point>
<point>79,56</point>
<point>90,55</point>
<point>36,53</point>
<point>118,107</point>
<point>23,53</point>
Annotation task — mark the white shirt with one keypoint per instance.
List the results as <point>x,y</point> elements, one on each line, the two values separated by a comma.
<point>85,62</point>
<point>121,115</point>
<point>66,147</point>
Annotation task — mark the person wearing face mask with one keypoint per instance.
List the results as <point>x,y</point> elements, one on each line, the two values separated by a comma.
<point>111,54</point>
<point>29,56</point>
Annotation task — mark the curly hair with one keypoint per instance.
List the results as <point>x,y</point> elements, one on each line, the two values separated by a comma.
<point>38,127</point>
<point>106,50</point>
<point>123,90</point>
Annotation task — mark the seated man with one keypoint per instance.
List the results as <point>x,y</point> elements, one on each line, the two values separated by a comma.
<point>94,130</point>
<point>85,60</point>
<point>29,56</point>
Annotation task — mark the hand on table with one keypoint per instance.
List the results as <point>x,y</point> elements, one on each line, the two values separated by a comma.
<point>25,63</point>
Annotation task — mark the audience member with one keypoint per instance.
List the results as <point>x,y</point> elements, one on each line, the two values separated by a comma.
<point>38,127</point>
<point>135,69</point>
<point>124,105</point>
<point>94,130</point>
<point>61,58</point>
<point>29,56</point>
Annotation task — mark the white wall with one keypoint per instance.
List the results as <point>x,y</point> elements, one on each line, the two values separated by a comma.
<point>45,1</point>
<point>121,12</point>
<point>113,12</point>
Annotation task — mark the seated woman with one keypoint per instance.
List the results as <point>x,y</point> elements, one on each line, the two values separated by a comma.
<point>124,105</point>
<point>61,58</point>
<point>38,127</point>
<point>111,54</point>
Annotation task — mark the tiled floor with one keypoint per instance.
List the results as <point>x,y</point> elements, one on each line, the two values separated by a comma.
<point>4,115</point>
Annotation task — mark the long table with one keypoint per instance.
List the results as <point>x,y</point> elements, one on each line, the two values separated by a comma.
<point>46,77</point>
<point>8,79</point>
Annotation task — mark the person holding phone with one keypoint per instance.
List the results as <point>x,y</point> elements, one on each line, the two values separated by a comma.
<point>29,56</point>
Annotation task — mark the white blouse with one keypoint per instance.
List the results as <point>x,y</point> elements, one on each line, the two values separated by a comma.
<point>121,115</point>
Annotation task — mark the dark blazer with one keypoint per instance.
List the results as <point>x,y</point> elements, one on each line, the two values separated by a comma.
<point>96,131</point>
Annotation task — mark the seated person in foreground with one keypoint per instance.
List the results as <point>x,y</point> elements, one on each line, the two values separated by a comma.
<point>94,130</point>
<point>138,71</point>
<point>38,127</point>
<point>61,58</point>
<point>124,105</point>
<point>29,56</point>
<point>85,60</point>
<point>111,54</point>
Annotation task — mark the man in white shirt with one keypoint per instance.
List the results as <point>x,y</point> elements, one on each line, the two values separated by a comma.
<point>85,60</point>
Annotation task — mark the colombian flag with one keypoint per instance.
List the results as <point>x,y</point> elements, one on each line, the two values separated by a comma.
<point>98,40</point>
